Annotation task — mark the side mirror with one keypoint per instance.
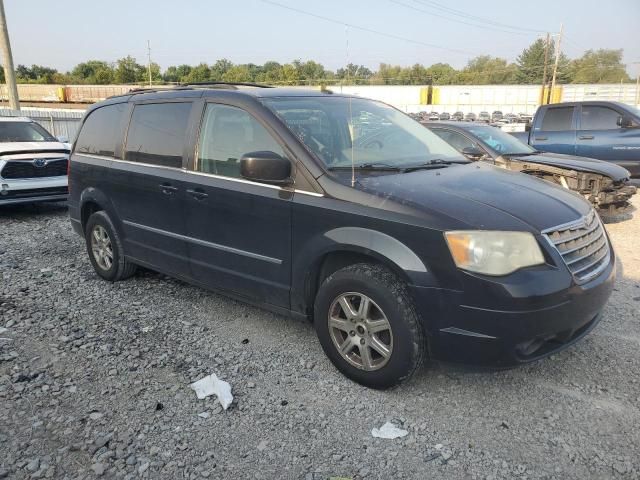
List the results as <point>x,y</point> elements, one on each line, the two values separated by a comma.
<point>472,153</point>
<point>62,138</point>
<point>266,167</point>
<point>624,122</point>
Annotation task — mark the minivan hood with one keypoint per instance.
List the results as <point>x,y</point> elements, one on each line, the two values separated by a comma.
<point>480,195</point>
<point>582,164</point>
<point>7,148</point>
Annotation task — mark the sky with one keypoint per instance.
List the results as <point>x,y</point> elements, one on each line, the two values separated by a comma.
<point>63,33</point>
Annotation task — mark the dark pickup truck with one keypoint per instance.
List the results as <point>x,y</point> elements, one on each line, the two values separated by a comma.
<point>603,130</point>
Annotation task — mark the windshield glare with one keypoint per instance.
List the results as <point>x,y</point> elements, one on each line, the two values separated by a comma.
<point>379,134</point>
<point>23,132</point>
<point>500,141</point>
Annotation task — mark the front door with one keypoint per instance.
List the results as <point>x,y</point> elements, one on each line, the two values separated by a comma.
<point>240,231</point>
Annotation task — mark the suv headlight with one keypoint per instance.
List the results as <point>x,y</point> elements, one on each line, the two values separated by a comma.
<point>493,253</point>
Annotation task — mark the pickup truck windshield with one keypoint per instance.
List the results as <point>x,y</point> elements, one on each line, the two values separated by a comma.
<point>337,128</point>
<point>500,141</point>
<point>24,132</point>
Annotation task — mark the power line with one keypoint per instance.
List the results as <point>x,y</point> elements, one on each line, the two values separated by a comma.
<point>462,14</point>
<point>397,2</point>
<point>368,30</point>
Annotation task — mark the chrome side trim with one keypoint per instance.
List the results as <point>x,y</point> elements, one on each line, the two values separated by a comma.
<point>205,243</point>
<point>209,175</point>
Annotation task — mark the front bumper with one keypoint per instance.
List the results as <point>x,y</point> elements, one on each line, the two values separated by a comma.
<point>515,324</point>
<point>29,190</point>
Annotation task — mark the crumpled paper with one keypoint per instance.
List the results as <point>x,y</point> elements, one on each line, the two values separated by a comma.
<point>212,385</point>
<point>389,431</point>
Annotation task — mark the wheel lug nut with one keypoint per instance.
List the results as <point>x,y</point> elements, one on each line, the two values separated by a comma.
<point>352,333</point>
<point>362,341</point>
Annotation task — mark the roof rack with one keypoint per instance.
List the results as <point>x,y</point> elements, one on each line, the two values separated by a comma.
<point>223,84</point>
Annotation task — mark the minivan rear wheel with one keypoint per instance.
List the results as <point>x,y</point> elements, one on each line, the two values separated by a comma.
<point>368,326</point>
<point>105,248</point>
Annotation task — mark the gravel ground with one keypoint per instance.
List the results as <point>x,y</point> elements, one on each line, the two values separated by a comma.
<point>94,382</point>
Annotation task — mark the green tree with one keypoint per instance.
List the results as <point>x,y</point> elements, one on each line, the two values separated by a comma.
<point>177,74</point>
<point>487,70</point>
<point>531,63</point>
<point>128,70</point>
<point>441,74</point>
<point>218,69</point>
<point>237,73</point>
<point>35,74</point>
<point>199,73</point>
<point>599,66</point>
<point>93,72</point>
<point>354,74</point>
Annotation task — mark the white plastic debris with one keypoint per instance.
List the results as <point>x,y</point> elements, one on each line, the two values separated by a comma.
<point>204,414</point>
<point>389,431</point>
<point>212,385</point>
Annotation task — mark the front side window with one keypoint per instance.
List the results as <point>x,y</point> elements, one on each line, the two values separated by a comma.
<point>598,118</point>
<point>157,133</point>
<point>101,131</point>
<point>500,141</point>
<point>23,132</point>
<point>228,133</point>
<point>455,139</point>
<point>342,130</point>
<point>557,119</point>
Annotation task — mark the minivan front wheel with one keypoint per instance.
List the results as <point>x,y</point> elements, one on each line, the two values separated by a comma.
<point>105,248</point>
<point>368,327</point>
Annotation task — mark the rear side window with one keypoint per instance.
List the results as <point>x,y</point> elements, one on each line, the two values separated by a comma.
<point>598,118</point>
<point>157,134</point>
<point>455,139</point>
<point>101,131</point>
<point>557,119</point>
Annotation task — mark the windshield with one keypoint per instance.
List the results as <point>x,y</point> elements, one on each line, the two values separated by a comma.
<point>500,141</point>
<point>379,134</point>
<point>24,132</point>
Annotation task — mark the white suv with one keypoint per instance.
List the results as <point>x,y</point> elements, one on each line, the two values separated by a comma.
<point>33,163</point>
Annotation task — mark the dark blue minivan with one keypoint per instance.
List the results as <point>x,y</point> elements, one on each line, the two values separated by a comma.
<point>396,247</point>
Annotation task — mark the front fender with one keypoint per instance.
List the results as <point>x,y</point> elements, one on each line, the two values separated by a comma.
<point>386,249</point>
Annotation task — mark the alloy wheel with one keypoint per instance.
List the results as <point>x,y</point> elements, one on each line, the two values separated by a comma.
<point>101,247</point>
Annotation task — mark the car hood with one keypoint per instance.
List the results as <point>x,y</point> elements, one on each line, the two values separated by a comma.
<point>7,148</point>
<point>479,196</point>
<point>582,164</point>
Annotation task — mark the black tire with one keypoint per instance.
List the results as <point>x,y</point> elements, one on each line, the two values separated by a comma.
<point>391,297</point>
<point>120,268</point>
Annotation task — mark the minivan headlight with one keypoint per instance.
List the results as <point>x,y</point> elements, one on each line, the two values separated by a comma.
<point>493,253</point>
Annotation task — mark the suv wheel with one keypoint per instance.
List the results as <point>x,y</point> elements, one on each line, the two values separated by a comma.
<point>105,249</point>
<point>368,326</point>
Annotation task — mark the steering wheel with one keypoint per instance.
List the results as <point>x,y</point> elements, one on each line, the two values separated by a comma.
<point>373,143</point>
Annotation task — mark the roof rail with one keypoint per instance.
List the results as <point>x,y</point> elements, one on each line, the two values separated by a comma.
<point>223,84</point>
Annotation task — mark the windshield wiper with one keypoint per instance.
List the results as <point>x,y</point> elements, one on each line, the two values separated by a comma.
<point>369,166</point>
<point>431,164</point>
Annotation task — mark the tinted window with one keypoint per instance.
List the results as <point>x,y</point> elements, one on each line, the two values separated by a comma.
<point>101,130</point>
<point>557,119</point>
<point>598,118</point>
<point>455,139</point>
<point>157,133</point>
<point>227,134</point>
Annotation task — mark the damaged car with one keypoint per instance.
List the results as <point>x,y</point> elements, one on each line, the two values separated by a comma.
<point>603,184</point>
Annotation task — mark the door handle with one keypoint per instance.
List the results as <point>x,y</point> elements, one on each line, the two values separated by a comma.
<point>541,138</point>
<point>198,194</point>
<point>586,137</point>
<point>168,189</point>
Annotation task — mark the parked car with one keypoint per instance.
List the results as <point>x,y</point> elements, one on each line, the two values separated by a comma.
<point>445,116</point>
<point>596,129</point>
<point>390,241</point>
<point>457,116</point>
<point>434,116</point>
<point>510,118</point>
<point>470,117</point>
<point>605,185</point>
<point>484,117</point>
<point>33,163</point>
<point>524,117</point>
<point>496,115</point>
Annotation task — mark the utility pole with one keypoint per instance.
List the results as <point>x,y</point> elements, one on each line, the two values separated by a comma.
<point>544,72</point>
<point>555,66</point>
<point>7,60</point>
<point>149,60</point>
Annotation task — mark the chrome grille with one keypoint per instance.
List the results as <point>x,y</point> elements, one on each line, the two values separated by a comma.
<point>51,167</point>
<point>583,246</point>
